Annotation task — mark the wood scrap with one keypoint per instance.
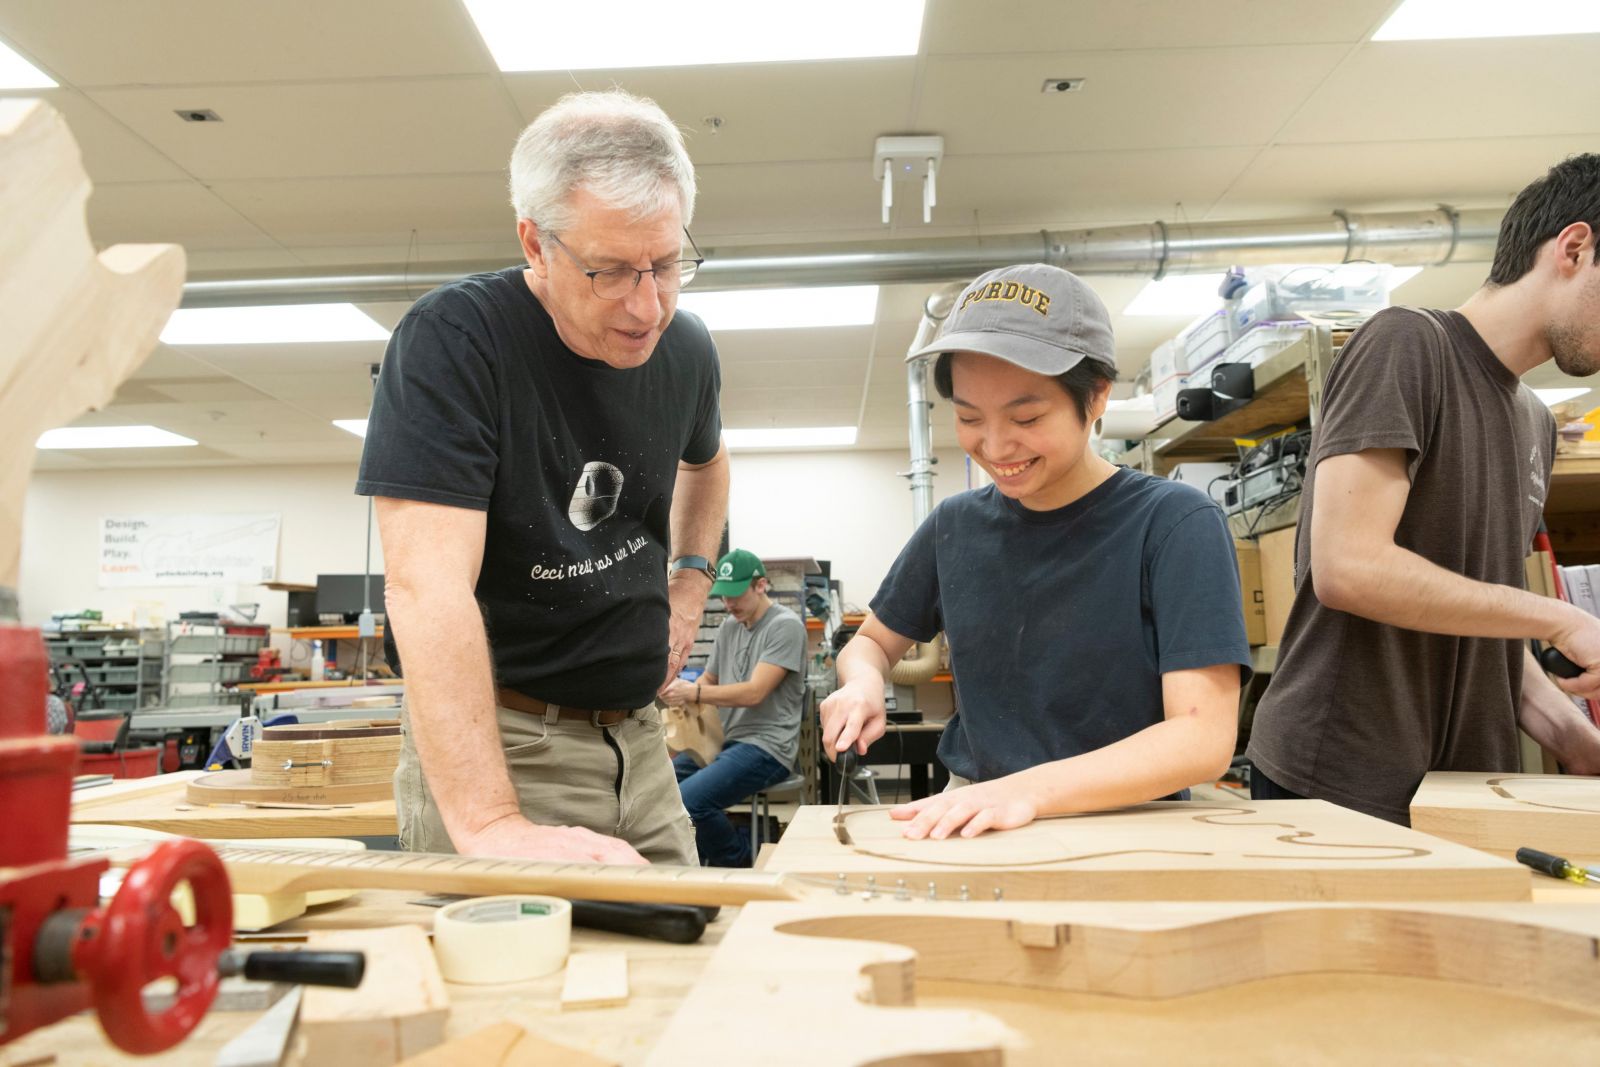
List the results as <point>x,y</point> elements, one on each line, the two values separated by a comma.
<point>399,1010</point>
<point>505,1045</point>
<point>595,980</point>
<point>695,729</point>
<point>77,324</point>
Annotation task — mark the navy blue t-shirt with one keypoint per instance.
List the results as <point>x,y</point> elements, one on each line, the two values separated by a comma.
<point>481,405</point>
<point>1061,623</point>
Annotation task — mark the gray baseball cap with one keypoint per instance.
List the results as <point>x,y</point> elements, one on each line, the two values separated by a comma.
<point>1040,317</point>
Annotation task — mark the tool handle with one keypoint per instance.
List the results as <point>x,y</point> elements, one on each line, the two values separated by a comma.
<point>1554,866</point>
<point>342,970</point>
<point>680,924</point>
<point>1553,661</point>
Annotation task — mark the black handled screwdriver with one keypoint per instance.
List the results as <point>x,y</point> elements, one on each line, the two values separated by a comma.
<point>1553,661</point>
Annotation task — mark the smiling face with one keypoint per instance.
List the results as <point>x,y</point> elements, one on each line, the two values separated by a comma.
<point>1024,430</point>
<point>622,333</point>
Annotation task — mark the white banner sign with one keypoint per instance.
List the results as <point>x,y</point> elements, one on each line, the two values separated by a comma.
<point>188,550</point>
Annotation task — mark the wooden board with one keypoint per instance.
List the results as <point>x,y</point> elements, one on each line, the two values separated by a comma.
<point>1252,850</point>
<point>505,1045</point>
<point>399,1010</point>
<point>1501,813</point>
<point>160,803</point>
<point>595,980</point>
<point>230,787</point>
<point>77,323</point>
<point>1102,983</point>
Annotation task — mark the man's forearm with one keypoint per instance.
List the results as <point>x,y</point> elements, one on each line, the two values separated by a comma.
<point>700,507</point>
<point>861,659</point>
<point>1395,586</point>
<point>451,706</point>
<point>1549,716</point>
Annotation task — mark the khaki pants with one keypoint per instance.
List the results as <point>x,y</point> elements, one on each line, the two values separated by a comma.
<point>614,780</point>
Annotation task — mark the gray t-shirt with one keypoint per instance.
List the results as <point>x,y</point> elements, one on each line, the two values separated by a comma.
<point>1358,711</point>
<point>778,638</point>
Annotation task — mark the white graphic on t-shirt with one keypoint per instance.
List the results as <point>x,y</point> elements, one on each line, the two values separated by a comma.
<point>595,499</point>
<point>1535,473</point>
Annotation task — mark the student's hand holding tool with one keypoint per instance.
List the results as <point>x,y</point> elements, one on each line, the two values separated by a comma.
<point>853,715</point>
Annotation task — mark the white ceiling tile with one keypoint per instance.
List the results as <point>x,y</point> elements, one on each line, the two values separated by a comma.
<point>1301,178</point>
<point>181,42</point>
<point>1424,90</point>
<point>306,212</point>
<point>182,212</point>
<point>1166,99</point>
<point>111,152</point>
<point>962,26</point>
<point>770,111</point>
<point>381,126</point>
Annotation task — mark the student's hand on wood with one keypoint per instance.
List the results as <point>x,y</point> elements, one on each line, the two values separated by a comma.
<point>678,693</point>
<point>519,839</point>
<point>971,810</point>
<point>1579,641</point>
<point>852,715</point>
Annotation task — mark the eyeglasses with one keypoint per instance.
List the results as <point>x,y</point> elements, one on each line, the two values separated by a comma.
<point>614,283</point>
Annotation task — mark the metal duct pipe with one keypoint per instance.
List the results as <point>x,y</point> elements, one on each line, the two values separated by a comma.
<point>934,311</point>
<point>1430,238</point>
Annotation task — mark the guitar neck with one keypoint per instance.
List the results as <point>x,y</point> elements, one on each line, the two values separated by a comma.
<point>274,870</point>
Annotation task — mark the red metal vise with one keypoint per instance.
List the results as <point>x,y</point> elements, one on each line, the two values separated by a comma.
<point>60,951</point>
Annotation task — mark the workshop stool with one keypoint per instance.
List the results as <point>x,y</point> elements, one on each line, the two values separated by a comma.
<point>759,810</point>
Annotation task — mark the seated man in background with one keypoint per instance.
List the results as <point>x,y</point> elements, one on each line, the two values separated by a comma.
<point>754,677</point>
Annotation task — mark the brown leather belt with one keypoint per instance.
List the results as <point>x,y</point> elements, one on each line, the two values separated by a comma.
<point>510,698</point>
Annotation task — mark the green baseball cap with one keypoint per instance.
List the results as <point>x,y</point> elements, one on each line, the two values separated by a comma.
<point>735,572</point>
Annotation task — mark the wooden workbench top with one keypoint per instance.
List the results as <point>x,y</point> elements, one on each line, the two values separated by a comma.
<point>159,803</point>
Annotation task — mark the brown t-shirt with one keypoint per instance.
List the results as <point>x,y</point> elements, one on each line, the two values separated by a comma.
<point>1358,711</point>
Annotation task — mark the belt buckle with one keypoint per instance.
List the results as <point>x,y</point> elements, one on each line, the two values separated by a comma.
<point>594,718</point>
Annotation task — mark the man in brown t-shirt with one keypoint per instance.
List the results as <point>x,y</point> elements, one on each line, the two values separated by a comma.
<point>1405,650</point>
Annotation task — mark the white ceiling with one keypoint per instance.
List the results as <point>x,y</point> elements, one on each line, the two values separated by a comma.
<point>375,132</point>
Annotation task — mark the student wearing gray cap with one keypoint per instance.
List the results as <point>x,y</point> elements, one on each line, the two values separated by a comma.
<point>1092,612</point>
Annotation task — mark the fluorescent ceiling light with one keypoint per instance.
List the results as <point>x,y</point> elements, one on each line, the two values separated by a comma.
<point>781,309</point>
<point>650,33</point>
<point>1178,296</point>
<point>1423,20</point>
<point>280,324</point>
<point>71,437</point>
<point>355,426</point>
<point>791,437</point>
<point>1552,397</point>
<point>18,73</point>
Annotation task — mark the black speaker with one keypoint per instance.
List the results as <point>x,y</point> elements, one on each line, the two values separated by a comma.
<point>1195,405</point>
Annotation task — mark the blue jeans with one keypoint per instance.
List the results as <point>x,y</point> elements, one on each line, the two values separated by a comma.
<point>739,771</point>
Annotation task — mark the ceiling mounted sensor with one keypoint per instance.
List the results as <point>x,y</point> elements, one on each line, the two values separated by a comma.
<point>1062,85</point>
<point>197,114</point>
<point>907,159</point>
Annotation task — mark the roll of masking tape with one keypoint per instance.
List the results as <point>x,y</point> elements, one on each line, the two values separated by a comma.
<point>489,940</point>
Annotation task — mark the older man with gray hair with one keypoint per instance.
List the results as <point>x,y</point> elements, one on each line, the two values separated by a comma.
<point>545,449</point>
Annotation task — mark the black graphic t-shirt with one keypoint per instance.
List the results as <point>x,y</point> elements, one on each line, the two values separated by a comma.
<point>480,405</point>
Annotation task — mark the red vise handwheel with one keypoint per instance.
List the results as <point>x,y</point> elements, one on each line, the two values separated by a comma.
<point>140,937</point>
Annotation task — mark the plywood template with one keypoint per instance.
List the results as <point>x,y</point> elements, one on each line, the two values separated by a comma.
<point>1137,983</point>
<point>399,1010</point>
<point>161,803</point>
<point>1252,850</point>
<point>77,323</point>
<point>1501,813</point>
<point>504,1045</point>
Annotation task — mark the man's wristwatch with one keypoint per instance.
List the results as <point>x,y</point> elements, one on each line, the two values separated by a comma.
<point>692,563</point>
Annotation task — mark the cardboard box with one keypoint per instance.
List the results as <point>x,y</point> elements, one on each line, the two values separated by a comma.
<point>1277,580</point>
<point>1255,616</point>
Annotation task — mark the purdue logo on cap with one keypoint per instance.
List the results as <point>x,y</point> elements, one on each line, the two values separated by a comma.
<point>1009,292</point>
